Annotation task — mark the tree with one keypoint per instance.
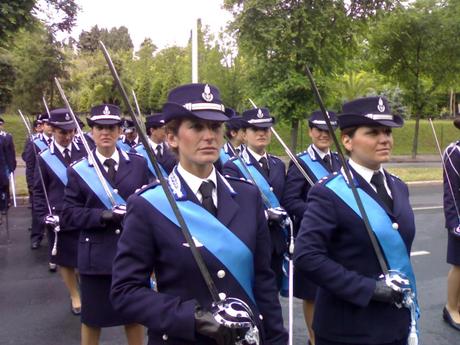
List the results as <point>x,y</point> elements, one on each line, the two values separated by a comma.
<point>116,39</point>
<point>15,14</point>
<point>37,58</point>
<point>8,77</point>
<point>418,48</point>
<point>279,39</point>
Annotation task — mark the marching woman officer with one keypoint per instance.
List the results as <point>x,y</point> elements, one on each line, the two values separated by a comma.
<point>53,163</point>
<point>226,219</point>
<point>451,311</point>
<point>267,170</point>
<point>353,305</point>
<point>317,161</point>
<point>87,207</point>
<point>235,135</point>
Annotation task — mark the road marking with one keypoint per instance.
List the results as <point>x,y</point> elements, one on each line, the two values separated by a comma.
<point>420,252</point>
<point>425,208</point>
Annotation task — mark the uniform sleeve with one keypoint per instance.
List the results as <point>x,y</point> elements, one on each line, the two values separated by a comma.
<point>311,252</point>
<point>11,154</point>
<point>230,169</point>
<point>39,201</point>
<point>265,291</point>
<point>75,214</point>
<point>295,192</point>
<point>451,174</point>
<point>131,293</point>
<point>29,158</point>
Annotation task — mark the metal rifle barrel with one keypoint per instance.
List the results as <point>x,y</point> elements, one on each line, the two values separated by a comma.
<point>91,158</point>
<point>143,138</point>
<point>288,152</point>
<point>375,244</point>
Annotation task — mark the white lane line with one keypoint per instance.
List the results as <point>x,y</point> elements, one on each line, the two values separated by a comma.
<point>425,208</point>
<point>420,252</point>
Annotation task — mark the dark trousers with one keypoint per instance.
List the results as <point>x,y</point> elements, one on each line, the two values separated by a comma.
<point>37,231</point>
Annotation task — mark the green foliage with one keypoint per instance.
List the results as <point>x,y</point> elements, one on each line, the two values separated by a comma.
<point>117,39</point>
<point>8,77</point>
<point>13,16</point>
<point>37,59</point>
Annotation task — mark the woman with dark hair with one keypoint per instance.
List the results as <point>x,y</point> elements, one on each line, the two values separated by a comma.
<point>355,302</point>
<point>226,221</point>
<point>451,157</point>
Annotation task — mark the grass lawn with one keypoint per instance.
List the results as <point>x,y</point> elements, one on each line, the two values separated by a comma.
<point>417,174</point>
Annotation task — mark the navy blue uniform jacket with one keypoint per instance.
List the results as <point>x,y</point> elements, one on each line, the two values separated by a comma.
<point>28,156</point>
<point>296,187</point>
<point>276,179</point>
<point>452,174</point>
<point>334,250</point>
<point>82,209</point>
<point>150,242</point>
<point>54,185</point>
<point>168,159</point>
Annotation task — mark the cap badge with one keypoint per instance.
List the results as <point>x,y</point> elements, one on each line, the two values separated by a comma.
<point>106,111</point>
<point>67,117</point>
<point>381,107</point>
<point>260,114</point>
<point>207,95</point>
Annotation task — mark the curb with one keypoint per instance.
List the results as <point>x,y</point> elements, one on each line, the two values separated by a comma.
<point>420,183</point>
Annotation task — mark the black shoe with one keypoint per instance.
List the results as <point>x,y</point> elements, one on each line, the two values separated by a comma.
<point>35,244</point>
<point>446,316</point>
<point>52,267</point>
<point>75,311</point>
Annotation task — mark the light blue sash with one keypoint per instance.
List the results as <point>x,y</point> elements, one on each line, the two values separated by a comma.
<point>123,146</point>
<point>224,156</point>
<point>315,166</point>
<point>216,237</point>
<point>260,181</point>
<point>390,240</point>
<point>88,174</point>
<point>56,165</point>
<point>142,151</point>
<point>40,144</point>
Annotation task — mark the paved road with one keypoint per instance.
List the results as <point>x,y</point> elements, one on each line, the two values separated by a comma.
<point>34,308</point>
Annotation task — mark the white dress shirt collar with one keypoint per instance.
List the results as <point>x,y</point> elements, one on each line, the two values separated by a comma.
<point>115,156</point>
<point>256,155</point>
<point>367,174</point>
<point>320,153</point>
<point>62,148</point>
<point>194,182</point>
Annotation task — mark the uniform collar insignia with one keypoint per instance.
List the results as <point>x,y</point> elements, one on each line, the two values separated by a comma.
<point>106,111</point>
<point>207,95</point>
<point>380,106</point>
<point>125,155</point>
<point>176,185</point>
<point>245,156</point>
<point>311,152</point>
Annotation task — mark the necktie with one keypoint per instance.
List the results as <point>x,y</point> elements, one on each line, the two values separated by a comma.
<point>159,153</point>
<point>327,162</point>
<point>67,158</point>
<point>237,151</point>
<point>206,189</point>
<point>49,141</point>
<point>263,162</point>
<point>110,163</point>
<point>377,181</point>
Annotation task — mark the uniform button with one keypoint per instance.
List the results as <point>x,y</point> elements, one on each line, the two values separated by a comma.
<point>87,239</point>
<point>54,208</point>
<point>261,317</point>
<point>115,191</point>
<point>271,189</point>
<point>222,296</point>
<point>165,337</point>
<point>117,231</point>
<point>395,226</point>
<point>221,274</point>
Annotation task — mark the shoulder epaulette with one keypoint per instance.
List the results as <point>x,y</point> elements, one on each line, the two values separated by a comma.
<point>328,178</point>
<point>145,188</point>
<point>134,154</point>
<point>78,161</point>
<point>303,153</point>
<point>239,179</point>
